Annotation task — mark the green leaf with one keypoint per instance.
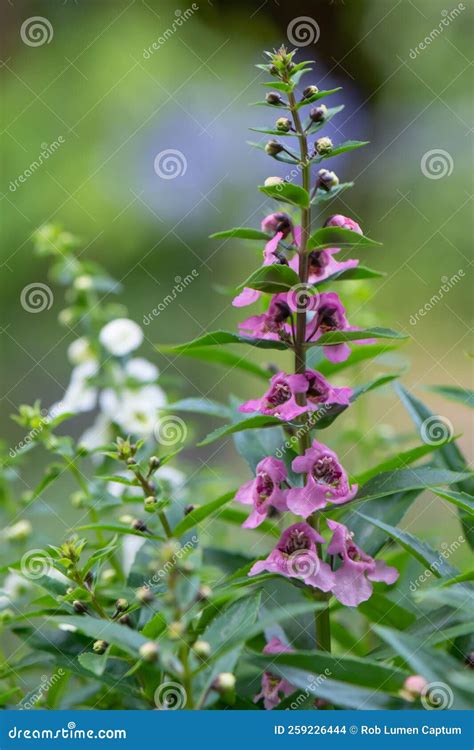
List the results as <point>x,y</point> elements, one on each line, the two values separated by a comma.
<point>243,233</point>
<point>200,514</point>
<point>461,499</point>
<point>217,338</point>
<point>251,423</point>
<point>51,474</point>
<point>342,148</point>
<point>155,626</point>
<point>462,395</point>
<point>338,237</point>
<point>323,196</point>
<point>314,127</point>
<point>402,480</point>
<point>415,547</point>
<point>287,192</point>
<point>449,455</point>
<point>272,279</point>
<point>279,86</point>
<point>433,665</point>
<point>118,529</point>
<point>200,406</point>
<point>224,357</point>
<point>361,354</point>
<point>286,158</point>
<point>350,274</point>
<point>382,610</point>
<point>339,337</point>
<point>329,413</point>
<point>316,97</point>
<point>399,461</point>
<point>125,638</point>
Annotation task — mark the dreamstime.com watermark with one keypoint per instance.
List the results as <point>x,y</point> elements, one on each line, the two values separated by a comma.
<point>447,551</point>
<point>47,150</point>
<point>170,564</point>
<point>448,282</point>
<point>313,683</point>
<point>181,17</point>
<point>45,684</point>
<point>48,416</point>
<point>312,421</point>
<point>180,285</point>
<point>67,733</point>
<point>447,17</point>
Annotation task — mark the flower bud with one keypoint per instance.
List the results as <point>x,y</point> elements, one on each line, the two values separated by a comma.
<point>273,98</point>
<point>271,181</point>
<point>277,222</point>
<point>317,114</point>
<point>79,607</point>
<point>169,550</point>
<point>131,462</point>
<point>125,620</point>
<point>283,124</point>
<point>121,605</point>
<point>175,630</point>
<point>19,531</point>
<point>149,651</point>
<point>413,687</point>
<point>108,575</point>
<point>224,682</point>
<point>326,180</point>
<point>202,649</point>
<point>310,91</point>
<point>83,283</point>
<point>150,504</point>
<point>204,593</point>
<point>100,647</point>
<point>145,595</point>
<point>126,519</point>
<point>154,462</point>
<point>273,148</point>
<point>323,146</point>
<point>189,508</point>
<point>139,525</point>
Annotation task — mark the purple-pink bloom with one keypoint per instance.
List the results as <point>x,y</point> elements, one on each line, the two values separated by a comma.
<point>271,323</point>
<point>338,220</point>
<point>296,556</point>
<point>277,222</point>
<point>331,316</point>
<point>322,264</point>
<point>352,579</point>
<point>280,399</point>
<point>274,688</point>
<point>326,481</point>
<point>264,491</point>
<point>321,392</point>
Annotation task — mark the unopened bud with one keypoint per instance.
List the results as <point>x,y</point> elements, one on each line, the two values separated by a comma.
<point>189,508</point>
<point>126,519</point>
<point>145,595</point>
<point>125,620</point>
<point>139,525</point>
<point>318,114</point>
<point>204,593</point>
<point>271,181</point>
<point>326,180</point>
<point>273,148</point>
<point>202,649</point>
<point>79,607</point>
<point>323,146</point>
<point>310,91</point>
<point>283,124</point>
<point>121,605</point>
<point>154,462</point>
<point>175,630</point>
<point>149,651</point>
<point>150,504</point>
<point>224,682</point>
<point>273,98</point>
<point>100,647</point>
<point>108,575</point>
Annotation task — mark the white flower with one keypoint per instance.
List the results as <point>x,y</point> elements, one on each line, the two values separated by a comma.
<point>135,411</point>
<point>13,587</point>
<point>19,531</point>
<point>98,434</point>
<point>142,370</point>
<point>121,336</point>
<point>79,351</point>
<point>80,395</point>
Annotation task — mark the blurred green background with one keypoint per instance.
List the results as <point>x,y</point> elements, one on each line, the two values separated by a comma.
<point>116,105</point>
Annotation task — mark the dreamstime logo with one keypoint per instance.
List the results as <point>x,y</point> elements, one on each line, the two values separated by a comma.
<point>303,31</point>
<point>313,683</point>
<point>36,31</point>
<point>170,564</point>
<point>436,164</point>
<point>303,564</point>
<point>300,299</point>
<point>170,164</point>
<point>170,430</point>
<point>447,283</point>
<point>36,297</point>
<point>437,696</point>
<point>180,285</point>
<point>47,150</point>
<point>437,564</point>
<point>447,16</point>
<point>180,18</point>
<point>170,696</point>
<point>436,430</point>
<point>45,684</point>
<point>47,415</point>
<point>35,563</point>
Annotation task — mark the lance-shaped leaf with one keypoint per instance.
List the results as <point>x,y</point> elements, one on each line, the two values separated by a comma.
<point>460,499</point>
<point>342,148</point>
<point>399,461</point>
<point>252,423</point>
<point>242,233</point>
<point>200,514</point>
<point>402,480</point>
<point>112,632</point>
<point>323,196</point>
<point>288,193</point>
<point>228,359</point>
<point>350,274</point>
<point>272,279</point>
<point>200,406</point>
<point>287,158</point>
<point>420,550</point>
<point>316,97</point>
<point>461,395</point>
<point>314,127</point>
<point>326,415</point>
<point>339,337</point>
<point>361,354</point>
<point>338,237</point>
<point>217,338</point>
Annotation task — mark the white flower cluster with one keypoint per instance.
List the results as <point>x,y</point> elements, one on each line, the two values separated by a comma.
<point>132,403</point>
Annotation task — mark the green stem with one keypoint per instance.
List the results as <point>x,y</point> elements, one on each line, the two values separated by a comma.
<point>322,620</point>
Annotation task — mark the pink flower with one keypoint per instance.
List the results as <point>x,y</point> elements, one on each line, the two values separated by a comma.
<point>338,220</point>
<point>320,392</point>
<point>274,688</point>
<point>352,579</point>
<point>322,264</point>
<point>280,399</point>
<point>271,323</point>
<point>295,556</point>
<point>277,223</point>
<point>326,481</point>
<point>264,491</point>
<point>330,316</point>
